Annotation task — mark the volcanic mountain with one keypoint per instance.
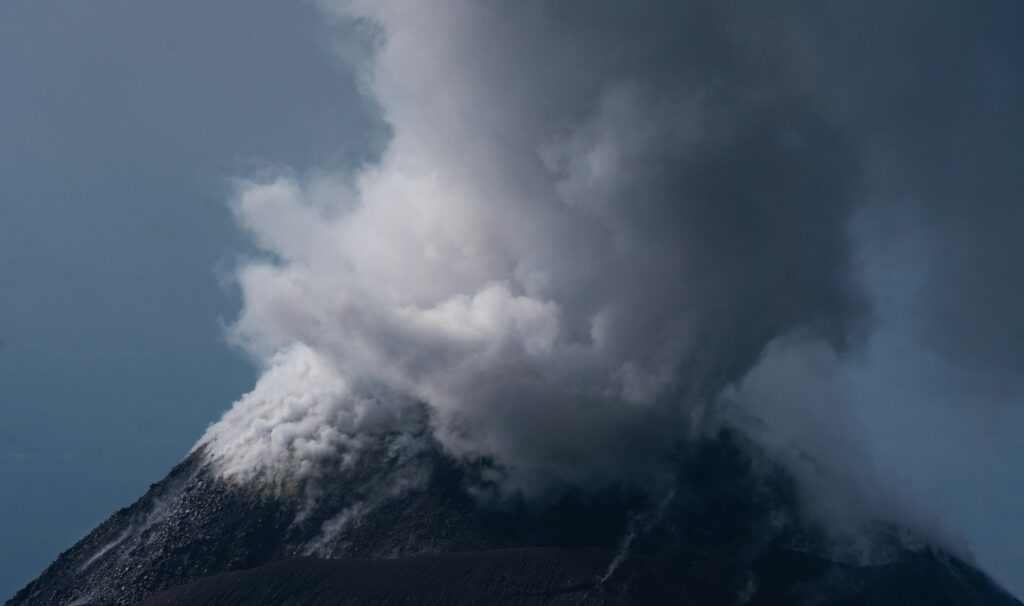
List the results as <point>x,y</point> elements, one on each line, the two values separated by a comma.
<point>730,530</point>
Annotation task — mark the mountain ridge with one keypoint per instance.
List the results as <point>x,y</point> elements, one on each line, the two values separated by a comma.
<point>732,527</point>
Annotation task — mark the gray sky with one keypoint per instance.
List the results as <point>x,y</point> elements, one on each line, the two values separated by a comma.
<point>120,125</point>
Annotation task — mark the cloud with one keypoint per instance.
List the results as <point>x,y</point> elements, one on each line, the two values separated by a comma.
<point>589,220</point>
<point>597,225</point>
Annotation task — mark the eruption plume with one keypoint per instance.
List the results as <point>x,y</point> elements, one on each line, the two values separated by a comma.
<point>590,218</point>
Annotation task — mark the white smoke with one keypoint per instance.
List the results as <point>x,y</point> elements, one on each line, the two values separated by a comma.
<point>590,219</point>
<point>300,412</point>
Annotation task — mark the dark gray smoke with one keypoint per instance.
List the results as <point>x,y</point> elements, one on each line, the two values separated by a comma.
<point>937,91</point>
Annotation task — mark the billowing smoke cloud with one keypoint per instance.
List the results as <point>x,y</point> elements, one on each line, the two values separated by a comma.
<point>596,222</point>
<point>591,217</point>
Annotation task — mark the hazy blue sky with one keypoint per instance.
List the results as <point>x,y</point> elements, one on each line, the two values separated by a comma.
<point>121,123</point>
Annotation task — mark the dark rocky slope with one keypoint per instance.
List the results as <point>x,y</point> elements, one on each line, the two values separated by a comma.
<point>532,577</point>
<point>732,531</point>
<point>507,577</point>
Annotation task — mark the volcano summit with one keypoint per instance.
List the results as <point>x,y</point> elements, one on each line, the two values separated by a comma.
<point>729,531</point>
<point>588,328</point>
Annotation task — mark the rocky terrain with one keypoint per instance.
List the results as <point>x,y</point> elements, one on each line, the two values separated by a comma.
<point>731,530</point>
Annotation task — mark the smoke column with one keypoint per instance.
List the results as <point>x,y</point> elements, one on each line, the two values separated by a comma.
<point>590,218</point>
<point>599,227</point>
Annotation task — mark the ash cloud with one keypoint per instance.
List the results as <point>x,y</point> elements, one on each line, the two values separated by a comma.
<point>590,218</point>
<point>594,221</point>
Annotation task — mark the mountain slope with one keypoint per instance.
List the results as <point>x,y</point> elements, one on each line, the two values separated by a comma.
<point>730,530</point>
<point>509,577</point>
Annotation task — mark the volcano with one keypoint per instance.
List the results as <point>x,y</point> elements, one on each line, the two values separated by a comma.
<point>730,530</point>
